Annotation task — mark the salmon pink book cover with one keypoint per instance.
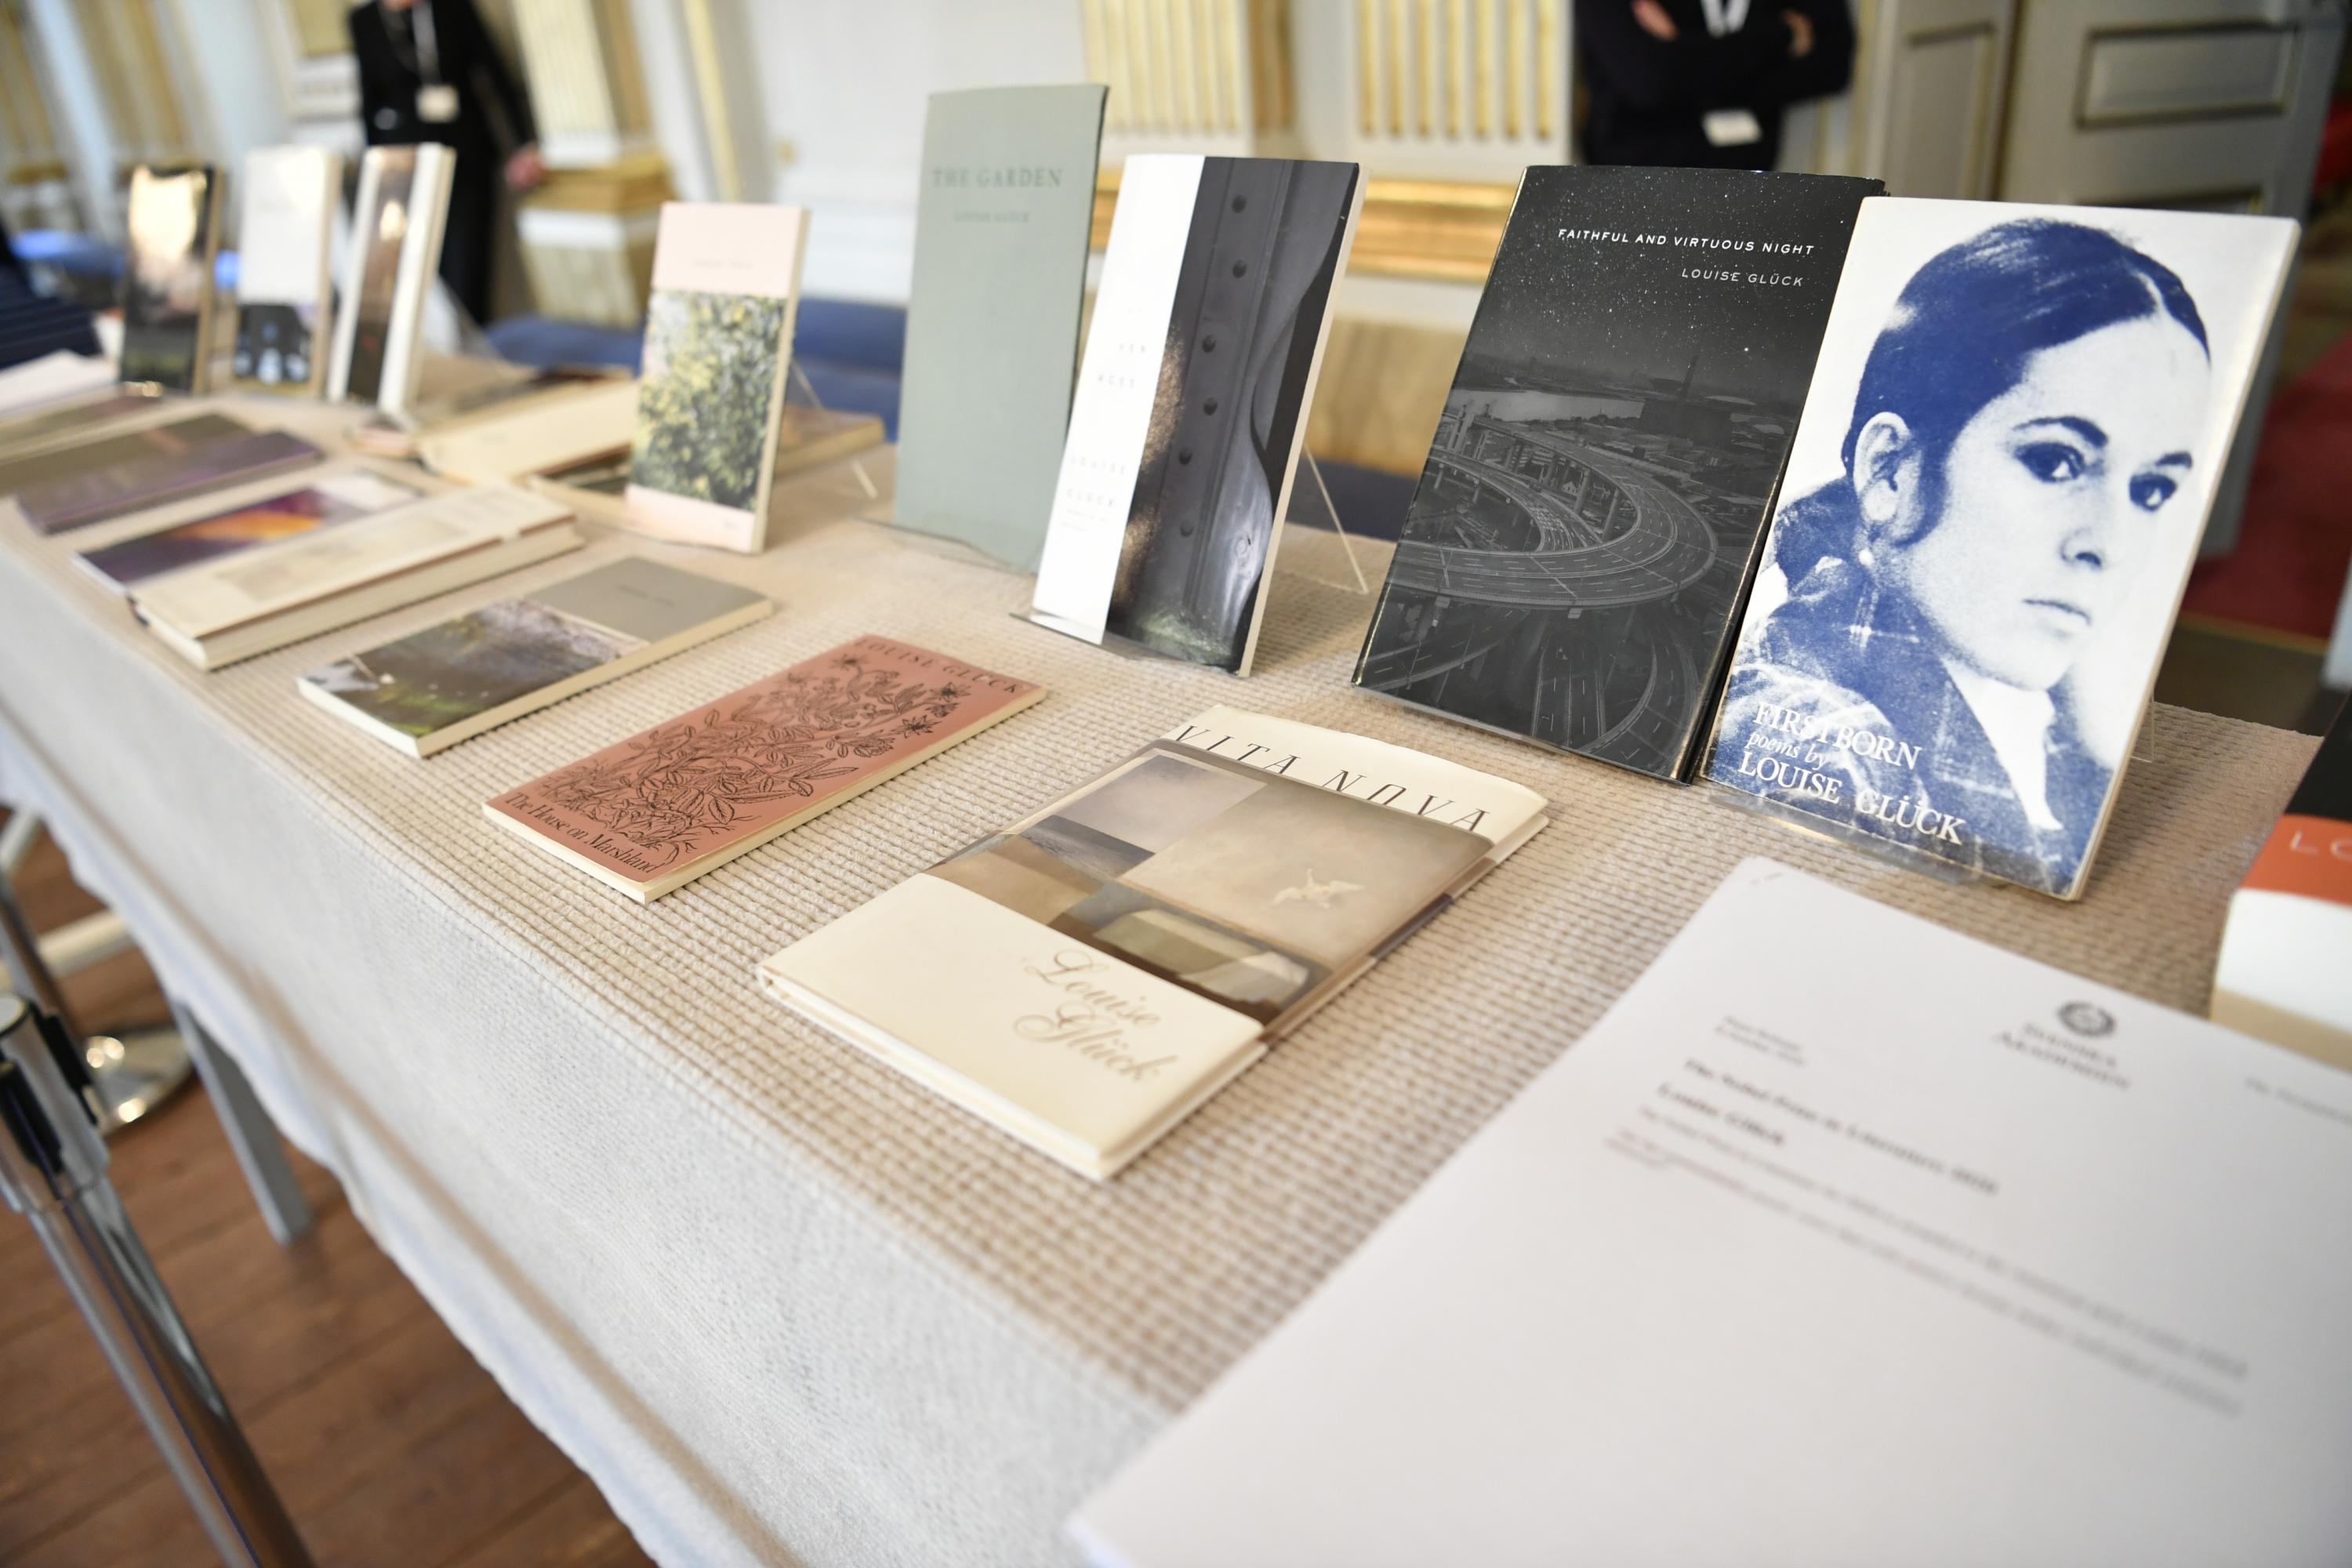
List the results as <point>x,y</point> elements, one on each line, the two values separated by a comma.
<point>660,808</point>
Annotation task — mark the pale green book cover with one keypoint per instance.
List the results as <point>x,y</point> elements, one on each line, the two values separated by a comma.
<point>1000,235</point>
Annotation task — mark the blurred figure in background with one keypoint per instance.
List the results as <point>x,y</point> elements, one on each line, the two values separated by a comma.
<point>1702,83</point>
<point>429,72</point>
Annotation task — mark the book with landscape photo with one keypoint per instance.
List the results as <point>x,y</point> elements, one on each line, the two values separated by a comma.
<point>281,510</point>
<point>1095,971</point>
<point>432,689</point>
<point>1573,561</point>
<point>719,337</point>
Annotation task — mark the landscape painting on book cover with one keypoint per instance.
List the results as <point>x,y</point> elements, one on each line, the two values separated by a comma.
<point>1244,887</point>
<point>1571,565</point>
<point>469,665</point>
<point>707,402</point>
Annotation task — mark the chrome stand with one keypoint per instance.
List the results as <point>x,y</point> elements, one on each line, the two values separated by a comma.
<point>53,1172</point>
<point>133,1072</point>
<point>128,1075</point>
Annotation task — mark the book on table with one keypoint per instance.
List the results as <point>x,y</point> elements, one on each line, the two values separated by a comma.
<point>398,221</point>
<point>710,394</point>
<point>1573,560</point>
<point>505,434</point>
<point>172,215</point>
<point>152,468</point>
<point>284,296</point>
<point>255,601</point>
<point>1191,409</point>
<point>807,438</point>
<point>1992,502</point>
<point>2280,972</point>
<point>428,690</point>
<point>1096,971</point>
<point>249,517</point>
<point>649,814</point>
<point>1001,226</point>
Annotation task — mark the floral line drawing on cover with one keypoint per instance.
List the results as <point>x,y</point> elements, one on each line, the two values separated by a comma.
<point>683,786</point>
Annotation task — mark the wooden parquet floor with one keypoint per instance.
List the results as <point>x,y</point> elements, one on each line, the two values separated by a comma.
<point>389,1446</point>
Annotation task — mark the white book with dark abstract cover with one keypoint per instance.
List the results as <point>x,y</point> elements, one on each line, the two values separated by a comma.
<point>397,223</point>
<point>1192,403</point>
<point>1994,498</point>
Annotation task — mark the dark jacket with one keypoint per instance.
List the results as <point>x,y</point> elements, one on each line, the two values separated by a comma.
<point>1842,658</point>
<point>1648,96</point>
<point>390,68</point>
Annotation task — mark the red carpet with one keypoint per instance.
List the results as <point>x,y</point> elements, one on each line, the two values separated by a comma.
<point>2295,546</point>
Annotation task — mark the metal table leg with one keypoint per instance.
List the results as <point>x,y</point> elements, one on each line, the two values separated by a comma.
<point>53,1172</point>
<point>251,1133</point>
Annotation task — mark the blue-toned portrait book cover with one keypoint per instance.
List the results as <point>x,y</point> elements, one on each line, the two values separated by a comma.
<point>1995,494</point>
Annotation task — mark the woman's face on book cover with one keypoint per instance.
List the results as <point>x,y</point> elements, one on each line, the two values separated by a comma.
<point>2056,494</point>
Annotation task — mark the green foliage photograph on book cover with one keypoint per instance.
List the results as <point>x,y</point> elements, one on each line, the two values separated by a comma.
<point>469,665</point>
<point>706,403</point>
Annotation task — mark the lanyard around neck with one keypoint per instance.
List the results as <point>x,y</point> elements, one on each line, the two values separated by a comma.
<point>1724,17</point>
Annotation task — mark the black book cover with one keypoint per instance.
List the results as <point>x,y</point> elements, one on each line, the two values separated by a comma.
<point>1572,567</point>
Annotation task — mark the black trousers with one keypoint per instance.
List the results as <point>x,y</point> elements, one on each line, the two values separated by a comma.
<point>467,244</point>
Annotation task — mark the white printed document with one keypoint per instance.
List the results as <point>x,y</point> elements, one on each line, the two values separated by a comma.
<point>1841,1240</point>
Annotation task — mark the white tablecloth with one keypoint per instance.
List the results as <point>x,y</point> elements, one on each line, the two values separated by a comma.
<point>781,1304</point>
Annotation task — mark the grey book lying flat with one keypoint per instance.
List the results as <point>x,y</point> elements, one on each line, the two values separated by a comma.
<point>992,319</point>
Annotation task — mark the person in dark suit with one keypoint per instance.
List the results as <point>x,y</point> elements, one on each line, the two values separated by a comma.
<point>1702,84</point>
<point>429,72</point>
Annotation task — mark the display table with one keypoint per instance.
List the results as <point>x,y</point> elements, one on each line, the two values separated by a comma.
<point>783,1305</point>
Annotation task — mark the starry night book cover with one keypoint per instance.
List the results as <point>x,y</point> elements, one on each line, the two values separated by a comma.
<point>1573,563</point>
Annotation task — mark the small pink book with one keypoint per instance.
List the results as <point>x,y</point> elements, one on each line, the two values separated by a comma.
<point>657,810</point>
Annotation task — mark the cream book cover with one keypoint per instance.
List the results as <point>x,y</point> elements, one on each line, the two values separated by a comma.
<point>719,341</point>
<point>1095,972</point>
<point>204,600</point>
<point>283,297</point>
